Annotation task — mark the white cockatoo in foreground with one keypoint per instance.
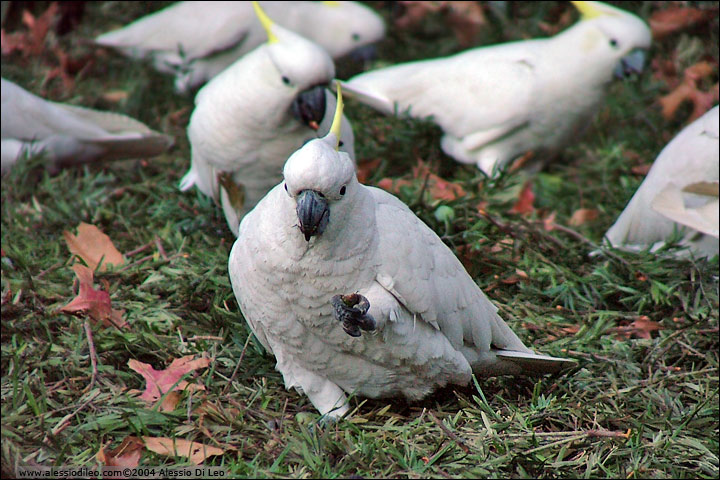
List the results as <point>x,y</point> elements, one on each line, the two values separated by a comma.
<point>498,102</point>
<point>679,192</point>
<point>320,243</point>
<point>198,40</point>
<point>69,135</point>
<point>252,116</point>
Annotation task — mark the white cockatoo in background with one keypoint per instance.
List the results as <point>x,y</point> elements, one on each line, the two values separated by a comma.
<point>498,102</point>
<point>197,40</point>
<point>320,243</point>
<point>69,135</point>
<point>252,116</point>
<point>679,192</point>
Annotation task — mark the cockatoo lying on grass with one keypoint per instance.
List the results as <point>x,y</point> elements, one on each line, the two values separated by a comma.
<point>198,40</point>
<point>679,192</point>
<point>251,117</point>
<point>498,102</point>
<point>354,294</point>
<point>69,135</point>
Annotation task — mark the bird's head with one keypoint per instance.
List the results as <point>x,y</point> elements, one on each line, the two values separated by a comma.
<point>613,34</point>
<point>302,67</point>
<point>319,178</point>
<point>348,28</point>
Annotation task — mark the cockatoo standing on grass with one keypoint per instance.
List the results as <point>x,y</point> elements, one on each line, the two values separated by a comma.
<point>252,116</point>
<point>69,135</point>
<point>198,40</point>
<point>354,294</point>
<point>679,192</point>
<point>498,102</point>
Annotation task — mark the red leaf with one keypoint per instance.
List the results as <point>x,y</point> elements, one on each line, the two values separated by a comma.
<point>159,382</point>
<point>671,20</point>
<point>688,90</point>
<point>524,204</point>
<point>126,455</point>
<point>32,42</point>
<point>93,303</point>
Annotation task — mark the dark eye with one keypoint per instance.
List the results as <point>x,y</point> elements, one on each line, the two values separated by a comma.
<point>342,190</point>
<point>356,37</point>
<point>613,43</point>
<point>285,80</point>
<point>341,143</point>
<point>286,187</point>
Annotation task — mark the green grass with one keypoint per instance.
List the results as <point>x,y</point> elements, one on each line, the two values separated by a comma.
<point>663,389</point>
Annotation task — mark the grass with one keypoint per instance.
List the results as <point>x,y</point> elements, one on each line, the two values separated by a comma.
<point>633,407</point>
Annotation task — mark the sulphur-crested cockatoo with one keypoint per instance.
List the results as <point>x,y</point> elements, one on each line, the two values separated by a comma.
<point>679,192</point>
<point>498,102</point>
<point>320,243</point>
<point>252,116</point>
<point>198,40</point>
<point>69,135</point>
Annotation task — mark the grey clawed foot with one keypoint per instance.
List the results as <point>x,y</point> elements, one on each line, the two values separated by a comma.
<point>351,310</point>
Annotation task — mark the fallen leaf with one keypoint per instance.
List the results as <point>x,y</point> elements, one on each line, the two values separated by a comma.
<point>115,96</point>
<point>466,19</point>
<point>366,169</point>
<point>415,11</point>
<point>94,303</point>
<point>127,454</point>
<point>437,187</point>
<point>92,246</point>
<point>640,328</point>
<point>195,452</point>
<point>688,90</point>
<point>549,222</point>
<point>582,216</point>
<point>32,42</point>
<point>159,382</point>
<point>524,204</point>
<point>676,19</point>
<point>641,170</point>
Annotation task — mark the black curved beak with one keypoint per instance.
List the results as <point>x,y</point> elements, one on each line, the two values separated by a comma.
<point>313,213</point>
<point>309,106</point>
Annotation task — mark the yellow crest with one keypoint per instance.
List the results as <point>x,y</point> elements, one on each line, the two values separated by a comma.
<point>266,22</point>
<point>337,119</point>
<point>331,4</point>
<point>588,10</point>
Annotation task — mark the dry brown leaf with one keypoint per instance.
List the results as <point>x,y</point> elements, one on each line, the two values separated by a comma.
<point>366,169</point>
<point>94,303</point>
<point>640,328</point>
<point>524,204</point>
<point>675,19</point>
<point>126,455</point>
<point>641,170</point>
<point>32,42</point>
<point>549,222</point>
<point>466,19</point>
<point>92,245</point>
<point>115,96</point>
<point>437,187</point>
<point>415,11</point>
<point>195,452</point>
<point>582,216</point>
<point>159,382</point>
<point>688,90</point>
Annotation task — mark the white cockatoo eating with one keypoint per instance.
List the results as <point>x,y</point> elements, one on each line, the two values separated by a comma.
<point>197,40</point>
<point>69,135</point>
<point>499,102</point>
<point>354,294</point>
<point>252,116</point>
<point>680,192</point>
